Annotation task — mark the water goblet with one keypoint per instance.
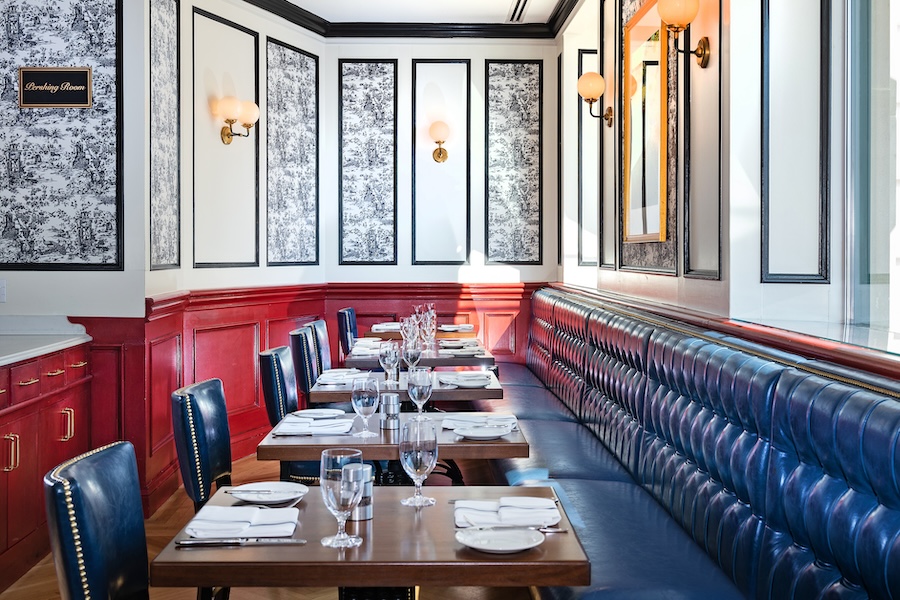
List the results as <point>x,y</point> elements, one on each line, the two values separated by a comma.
<point>412,352</point>
<point>389,359</point>
<point>419,385</point>
<point>418,455</point>
<point>341,483</point>
<point>364,398</point>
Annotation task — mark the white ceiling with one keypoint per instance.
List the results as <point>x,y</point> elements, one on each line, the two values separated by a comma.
<point>430,11</point>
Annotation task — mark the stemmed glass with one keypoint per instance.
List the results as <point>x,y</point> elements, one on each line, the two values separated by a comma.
<point>389,358</point>
<point>418,455</point>
<point>412,352</point>
<point>418,386</point>
<point>341,482</point>
<point>364,397</point>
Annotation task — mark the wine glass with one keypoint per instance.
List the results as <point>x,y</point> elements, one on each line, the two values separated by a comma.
<point>341,482</point>
<point>418,386</point>
<point>364,397</point>
<point>389,358</point>
<point>418,455</point>
<point>412,352</point>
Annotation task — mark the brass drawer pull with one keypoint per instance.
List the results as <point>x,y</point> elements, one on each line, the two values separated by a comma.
<point>56,373</point>
<point>70,424</point>
<point>13,452</point>
<point>78,365</point>
<point>29,382</point>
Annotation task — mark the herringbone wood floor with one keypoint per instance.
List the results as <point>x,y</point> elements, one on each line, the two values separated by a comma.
<point>40,582</point>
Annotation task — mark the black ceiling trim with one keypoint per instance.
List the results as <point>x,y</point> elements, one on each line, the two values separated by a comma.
<point>315,24</point>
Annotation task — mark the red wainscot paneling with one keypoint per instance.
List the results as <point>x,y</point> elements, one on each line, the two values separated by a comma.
<point>500,312</point>
<point>224,331</point>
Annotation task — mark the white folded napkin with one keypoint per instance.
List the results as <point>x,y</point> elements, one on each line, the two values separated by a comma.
<point>243,521</point>
<point>523,511</point>
<point>299,426</point>
<point>327,377</point>
<point>455,420</point>
<point>364,351</point>
<point>370,342</point>
<point>386,327</point>
<point>465,327</point>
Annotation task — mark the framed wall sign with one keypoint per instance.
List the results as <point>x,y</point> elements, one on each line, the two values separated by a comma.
<point>55,87</point>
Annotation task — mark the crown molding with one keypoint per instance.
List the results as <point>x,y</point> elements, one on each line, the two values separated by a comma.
<point>303,18</point>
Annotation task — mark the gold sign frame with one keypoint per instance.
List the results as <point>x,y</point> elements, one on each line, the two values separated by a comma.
<point>645,156</point>
<point>55,87</point>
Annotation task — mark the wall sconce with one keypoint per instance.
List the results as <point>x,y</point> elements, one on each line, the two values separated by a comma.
<point>233,111</point>
<point>677,15</point>
<point>439,131</point>
<point>590,87</point>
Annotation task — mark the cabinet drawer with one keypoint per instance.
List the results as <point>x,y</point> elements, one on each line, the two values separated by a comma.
<point>77,363</point>
<point>53,372</point>
<point>4,387</point>
<point>24,381</point>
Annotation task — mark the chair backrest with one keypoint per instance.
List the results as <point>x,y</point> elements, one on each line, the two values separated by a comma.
<point>202,438</point>
<point>306,368</point>
<point>347,329</point>
<point>279,383</point>
<point>96,525</point>
<point>322,345</point>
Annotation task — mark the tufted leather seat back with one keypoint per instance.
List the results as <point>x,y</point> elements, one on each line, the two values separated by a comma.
<point>96,524</point>
<point>279,383</point>
<point>202,437</point>
<point>833,504</point>
<point>537,356</point>
<point>707,413</point>
<point>616,383</point>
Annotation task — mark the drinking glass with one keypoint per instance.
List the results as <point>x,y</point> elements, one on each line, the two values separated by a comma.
<point>364,397</point>
<point>418,386</point>
<point>418,455</point>
<point>412,352</point>
<point>342,488</point>
<point>389,358</point>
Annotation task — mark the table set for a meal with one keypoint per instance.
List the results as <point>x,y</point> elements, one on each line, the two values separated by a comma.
<point>470,534</point>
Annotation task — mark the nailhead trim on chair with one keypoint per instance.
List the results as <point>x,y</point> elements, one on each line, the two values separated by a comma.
<point>70,510</point>
<point>278,385</point>
<point>193,430</point>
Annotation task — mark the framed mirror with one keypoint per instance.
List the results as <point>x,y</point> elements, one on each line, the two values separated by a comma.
<point>646,106</point>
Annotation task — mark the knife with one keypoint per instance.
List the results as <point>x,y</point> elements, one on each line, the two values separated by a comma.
<point>214,542</point>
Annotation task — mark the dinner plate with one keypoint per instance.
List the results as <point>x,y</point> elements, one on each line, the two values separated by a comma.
<point>269,492</point>
<point>452,344</point>
<point>500,541</point>
<point>339,372</point>
<point>319,413</point>
<point>483,432</point>
<point>472,383</point>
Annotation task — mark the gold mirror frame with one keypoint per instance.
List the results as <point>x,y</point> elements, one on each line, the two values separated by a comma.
<point>645,126</point>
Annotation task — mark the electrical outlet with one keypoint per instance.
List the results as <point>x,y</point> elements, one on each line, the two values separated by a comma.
<point>2,290</point>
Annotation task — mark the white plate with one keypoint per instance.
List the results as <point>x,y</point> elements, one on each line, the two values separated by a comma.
<point>483,432</point>
<point>319,413</point>
<point>472,383</point>
<point>280,491</point>
<point>452,344</point>
<point>368,341</point>
<point>500,541</point>
<point>339,372</point>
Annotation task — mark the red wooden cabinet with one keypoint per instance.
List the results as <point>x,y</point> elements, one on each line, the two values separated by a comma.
<point>46,422</point>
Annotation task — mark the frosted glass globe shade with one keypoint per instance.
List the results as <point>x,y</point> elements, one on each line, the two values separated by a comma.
<point>249,113</point>
<point>678,13</point>
<point>591,86</point>
<point>439,131</point>
<point>230,108</point>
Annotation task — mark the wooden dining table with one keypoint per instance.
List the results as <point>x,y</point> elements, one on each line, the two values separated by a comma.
<point>402,546</point>
<point>340,392</point>
<point>429,358</point>
<point>384,446</point>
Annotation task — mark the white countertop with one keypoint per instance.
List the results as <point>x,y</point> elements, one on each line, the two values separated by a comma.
<point>22,338</point>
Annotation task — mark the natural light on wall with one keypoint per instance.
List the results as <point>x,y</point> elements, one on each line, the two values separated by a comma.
<point>874,112</point>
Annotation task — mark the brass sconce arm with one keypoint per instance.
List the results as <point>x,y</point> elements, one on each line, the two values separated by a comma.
<point>702,51</point>
<point>606,116</point>
<point>228,131</point>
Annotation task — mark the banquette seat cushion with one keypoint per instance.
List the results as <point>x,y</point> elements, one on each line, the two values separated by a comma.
<point>697,465</point>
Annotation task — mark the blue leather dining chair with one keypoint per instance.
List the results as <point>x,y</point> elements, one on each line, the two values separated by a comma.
<point>279,384</point>
<point>202,438</point>
<point>347,329</point>
<point>321,344</point>
<point>96,525</point>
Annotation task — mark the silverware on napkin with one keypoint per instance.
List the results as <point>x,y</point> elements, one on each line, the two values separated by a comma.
<point>213,542</point>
